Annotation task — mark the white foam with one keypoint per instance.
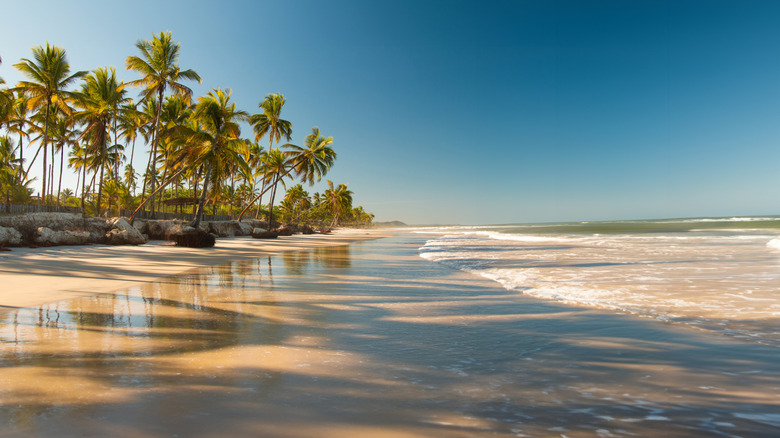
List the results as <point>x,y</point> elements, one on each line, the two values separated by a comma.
<point>774,244</point>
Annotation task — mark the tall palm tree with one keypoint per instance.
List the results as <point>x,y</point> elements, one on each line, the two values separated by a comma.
<point>217,143</point>
<point>49,76</point>
<point>98,97</point>
<point>270,120</point>
<point>159,70</point>
<point>310,162</point>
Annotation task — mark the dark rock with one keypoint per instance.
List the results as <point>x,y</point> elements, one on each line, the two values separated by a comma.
<point>259,233</point>
<point>191,237</point>
<point>159,229</point>
<point>284,231</point>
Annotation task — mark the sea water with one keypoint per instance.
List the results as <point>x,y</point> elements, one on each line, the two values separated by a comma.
<point>720,274</point>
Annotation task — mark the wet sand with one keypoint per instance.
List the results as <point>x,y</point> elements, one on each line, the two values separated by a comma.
<point>34,276</point>
<point>363,340</point>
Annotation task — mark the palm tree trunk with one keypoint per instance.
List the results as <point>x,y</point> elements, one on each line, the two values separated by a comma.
<point>21,157</point>
<point>232,194</point>
<point>155,140</point>
<point>51,172</point>
<point>147,173</point>
<point>45,144</point>
<point>162,186</point>
<point>84,183</point>
<point>35,157</point>
<point>100,190</point>
<point>260,195</point>
<point>199,213</point>
<point>271,204</point>
<point>62,165</point>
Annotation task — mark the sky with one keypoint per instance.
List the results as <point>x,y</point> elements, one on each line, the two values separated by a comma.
<point>479,112</point>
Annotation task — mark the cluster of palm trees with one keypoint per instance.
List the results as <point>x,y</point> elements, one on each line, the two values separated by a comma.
<point>197,156</point>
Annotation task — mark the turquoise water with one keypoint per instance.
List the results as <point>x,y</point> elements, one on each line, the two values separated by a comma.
<point>720,274</point>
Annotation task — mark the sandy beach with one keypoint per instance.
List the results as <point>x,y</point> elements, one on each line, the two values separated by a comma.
<point>35,276</point>
<point>357,340</point>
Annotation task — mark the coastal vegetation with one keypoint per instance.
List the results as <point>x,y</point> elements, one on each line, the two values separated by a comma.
<point>198,161</point>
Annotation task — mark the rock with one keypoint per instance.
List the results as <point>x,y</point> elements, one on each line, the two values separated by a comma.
<point>159,229</point>
<point>306,229</point>
<point>53,221</point>
<point>48,237</point>
<point>184,235</point>
<point>123,233</point>
<point>255,223</point>
<point>284,231</point>
<point>10,237</point>
<point>140,225</point>
<point>229,228</point>
<point>246,229</point>
<point>259,233</point>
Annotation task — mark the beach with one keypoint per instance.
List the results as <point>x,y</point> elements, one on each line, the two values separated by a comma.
<point>347,338</point>
<point>34,276</point>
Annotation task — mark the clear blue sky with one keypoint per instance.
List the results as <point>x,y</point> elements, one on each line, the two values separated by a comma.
<point>481,111</point>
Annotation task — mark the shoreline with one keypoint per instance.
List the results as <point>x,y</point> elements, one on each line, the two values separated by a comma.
<point>37,276</point>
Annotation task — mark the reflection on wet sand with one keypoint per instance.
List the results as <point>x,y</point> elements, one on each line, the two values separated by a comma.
<point>366,340</point>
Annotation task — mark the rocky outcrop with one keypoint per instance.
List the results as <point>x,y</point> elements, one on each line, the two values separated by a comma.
<point>229,228</point>
<point>185,235</point>
<point>122,233</point>
<point>48,237</point>
<point>260,233</point>
<point>54,229</point>
<point>10,237</point>
<point>159,230</point>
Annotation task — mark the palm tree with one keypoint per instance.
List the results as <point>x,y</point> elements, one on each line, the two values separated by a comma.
<point>338,200</point>
<point>270,121</point>
<point>78,160</point>
<point>17,123</point>
<point>48,75</point>
<point>96,101</point>
<point>277,166</point>
<point>130,123</point>
<point>8,167</point>
<point>313,160</point>
<point>310,162</point>
<point>217,142</point>
<point>63,135</point>
<point>159,70</point>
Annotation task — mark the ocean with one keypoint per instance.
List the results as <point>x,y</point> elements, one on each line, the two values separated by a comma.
<point>716,274</point>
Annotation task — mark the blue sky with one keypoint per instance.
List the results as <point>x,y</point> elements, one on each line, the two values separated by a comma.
<point>481,112</point>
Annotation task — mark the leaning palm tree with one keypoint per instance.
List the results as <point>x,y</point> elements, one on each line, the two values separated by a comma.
<point>217,142</point>
<point>338,200</point>
<point>49,76</point>
<point>270,120</point>
<point>277,166</point>
<point>310,162</point>
<point>159,70</point>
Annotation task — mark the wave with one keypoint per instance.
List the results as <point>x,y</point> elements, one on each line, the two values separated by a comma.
<point>646,274</point>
